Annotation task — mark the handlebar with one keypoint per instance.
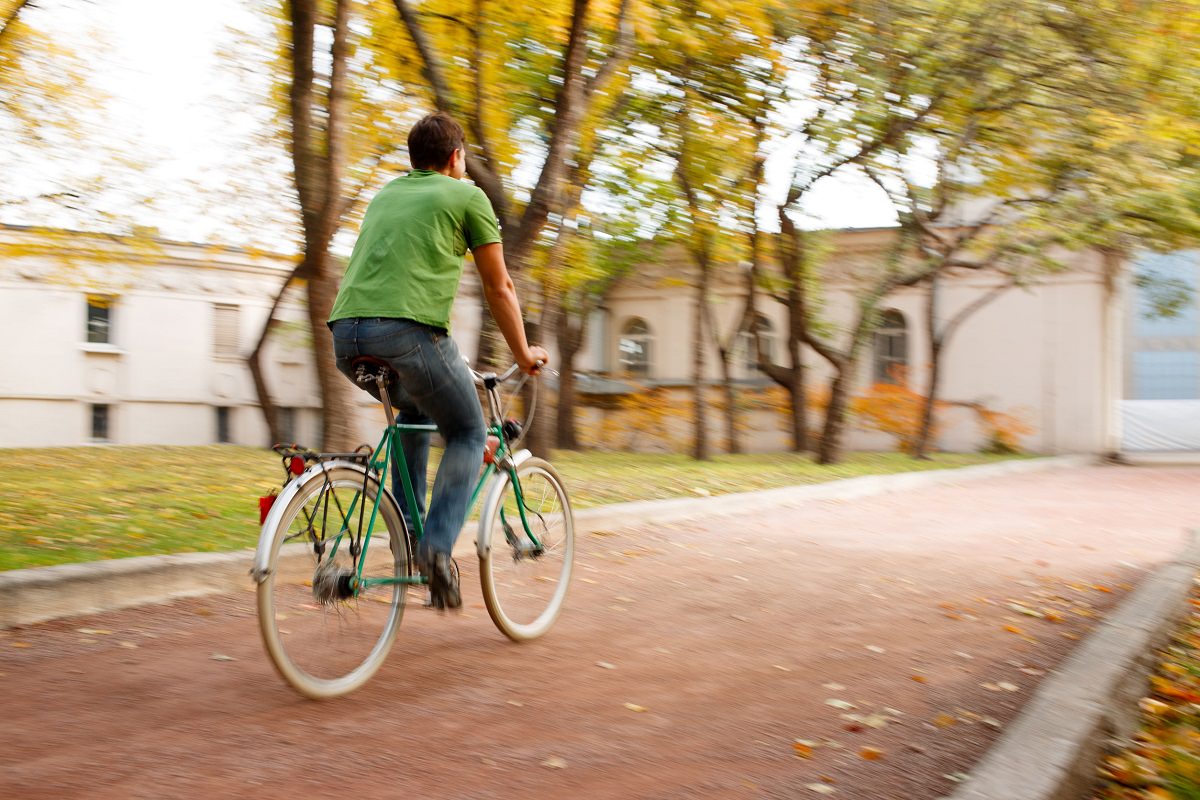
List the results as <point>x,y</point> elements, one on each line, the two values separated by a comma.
<point>480,377</point>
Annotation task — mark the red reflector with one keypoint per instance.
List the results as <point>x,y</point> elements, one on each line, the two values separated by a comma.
<point>264,507</point>
<point>489,450</point>
<point>297,465</point>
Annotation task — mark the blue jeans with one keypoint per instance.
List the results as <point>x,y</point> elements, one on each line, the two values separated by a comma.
<point>434,386</point>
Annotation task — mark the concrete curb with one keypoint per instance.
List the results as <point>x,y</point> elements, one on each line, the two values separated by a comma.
<point>35,595</point>
<point>1051,750</point>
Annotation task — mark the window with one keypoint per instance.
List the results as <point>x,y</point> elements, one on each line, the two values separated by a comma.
<point>223,415</point>
<point>762,326</point>
<point>891,348</point>
<point>633,348</point>
<point>99,319</point>
<point>100,423</point>
<point>1166,375</point>
<point>225,330</point>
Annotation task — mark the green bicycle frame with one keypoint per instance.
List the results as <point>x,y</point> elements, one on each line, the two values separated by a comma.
<point>390,451</point>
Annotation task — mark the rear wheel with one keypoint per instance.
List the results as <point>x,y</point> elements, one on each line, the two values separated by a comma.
<point>326,634</point>
<point>525,579</point>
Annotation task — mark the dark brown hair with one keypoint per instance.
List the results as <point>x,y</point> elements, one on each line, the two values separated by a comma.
<point>433,140</point>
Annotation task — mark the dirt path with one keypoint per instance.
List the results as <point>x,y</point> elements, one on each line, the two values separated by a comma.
<point>726,638</point>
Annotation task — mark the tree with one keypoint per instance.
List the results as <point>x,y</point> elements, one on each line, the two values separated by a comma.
<point>706,78</point>
<point>526,78</point>
<point>338,97</point>
<point>979,79</point>
<point>1075,179</point>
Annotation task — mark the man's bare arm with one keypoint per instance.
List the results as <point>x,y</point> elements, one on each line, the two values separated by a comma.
<point>501,298</point>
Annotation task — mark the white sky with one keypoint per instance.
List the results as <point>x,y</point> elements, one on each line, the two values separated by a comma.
<point>162,71</point>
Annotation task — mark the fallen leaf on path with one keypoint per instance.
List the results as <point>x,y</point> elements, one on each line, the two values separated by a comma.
<point>222,657</point>
<point>870,753</point>
<point>803,748</point>
<point>635,707</point>
<point>920,678</point>
<point>1014,629</point>
<point>1009,687</point>
<point>1026,610</point>
<point>944,720</point>
<point>841,705</point>
<point>129,645</point>
<point>874,648</point>
<point>833,687</point>
<point>820,788</point>
<point>516,703</point>
<point>605,665</point>
<point>554,763</point>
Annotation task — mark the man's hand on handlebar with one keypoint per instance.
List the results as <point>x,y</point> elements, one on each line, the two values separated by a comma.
<point>534,360</point>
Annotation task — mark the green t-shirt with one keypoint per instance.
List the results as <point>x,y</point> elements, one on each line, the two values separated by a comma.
<point>408,259</point>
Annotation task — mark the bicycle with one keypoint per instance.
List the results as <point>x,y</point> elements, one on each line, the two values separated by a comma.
<point>330,604</point>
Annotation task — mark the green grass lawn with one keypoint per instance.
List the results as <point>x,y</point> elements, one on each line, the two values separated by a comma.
<point>63,505</point>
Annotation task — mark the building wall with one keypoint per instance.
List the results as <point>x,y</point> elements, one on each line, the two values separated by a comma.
<point>159,374</point>
<point>1035,352</point>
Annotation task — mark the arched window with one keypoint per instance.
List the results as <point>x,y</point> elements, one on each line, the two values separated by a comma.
<point>633,348</point>
<point>891,348</point>
<point>745,347</point>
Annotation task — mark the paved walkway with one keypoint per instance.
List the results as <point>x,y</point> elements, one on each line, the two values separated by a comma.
<point>689,661</point>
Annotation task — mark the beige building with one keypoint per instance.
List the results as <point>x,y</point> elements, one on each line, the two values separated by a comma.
<point>142,342</point>
<point>1072,356</point>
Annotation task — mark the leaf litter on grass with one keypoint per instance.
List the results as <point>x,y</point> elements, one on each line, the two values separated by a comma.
<point>1162,759</point>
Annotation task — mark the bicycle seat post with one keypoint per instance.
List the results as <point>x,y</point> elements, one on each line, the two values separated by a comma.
<point>381,382</point>
<point>369,368</point>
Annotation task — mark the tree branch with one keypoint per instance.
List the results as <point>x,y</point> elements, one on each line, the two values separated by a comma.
<point>435,75</point>
<point>568,108</point>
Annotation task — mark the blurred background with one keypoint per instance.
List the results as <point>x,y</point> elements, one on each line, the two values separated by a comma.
<point>768,226</point>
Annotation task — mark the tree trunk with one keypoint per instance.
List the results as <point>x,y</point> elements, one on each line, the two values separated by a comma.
<point>732,441</point>
<point>699,400</point>
<point>929,402</point>
<point>318,155</point>
<point>338,395</point>
<point>541,435</point>
<point>254,362</point>
<point>796,390</point>
<point>569,343</point>
<point>830,451</point>
<point>925,432</point>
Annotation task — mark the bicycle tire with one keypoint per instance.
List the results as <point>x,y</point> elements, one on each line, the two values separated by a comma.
<point>523,591</point>
<point>355,633</point>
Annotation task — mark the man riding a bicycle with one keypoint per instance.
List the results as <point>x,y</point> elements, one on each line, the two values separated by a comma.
<point>394,304</point>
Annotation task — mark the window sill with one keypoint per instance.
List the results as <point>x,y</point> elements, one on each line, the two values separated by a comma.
<point>101,349</point>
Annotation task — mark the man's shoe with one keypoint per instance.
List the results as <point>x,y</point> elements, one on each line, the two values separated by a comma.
<point>443,582</point>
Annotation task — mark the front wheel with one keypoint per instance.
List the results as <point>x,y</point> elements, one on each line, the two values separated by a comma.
<point>325,632</point>
<point>527,550</point>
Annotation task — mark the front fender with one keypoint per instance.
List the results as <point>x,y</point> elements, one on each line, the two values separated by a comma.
<point>483,544</point>
<point>262,555</point>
